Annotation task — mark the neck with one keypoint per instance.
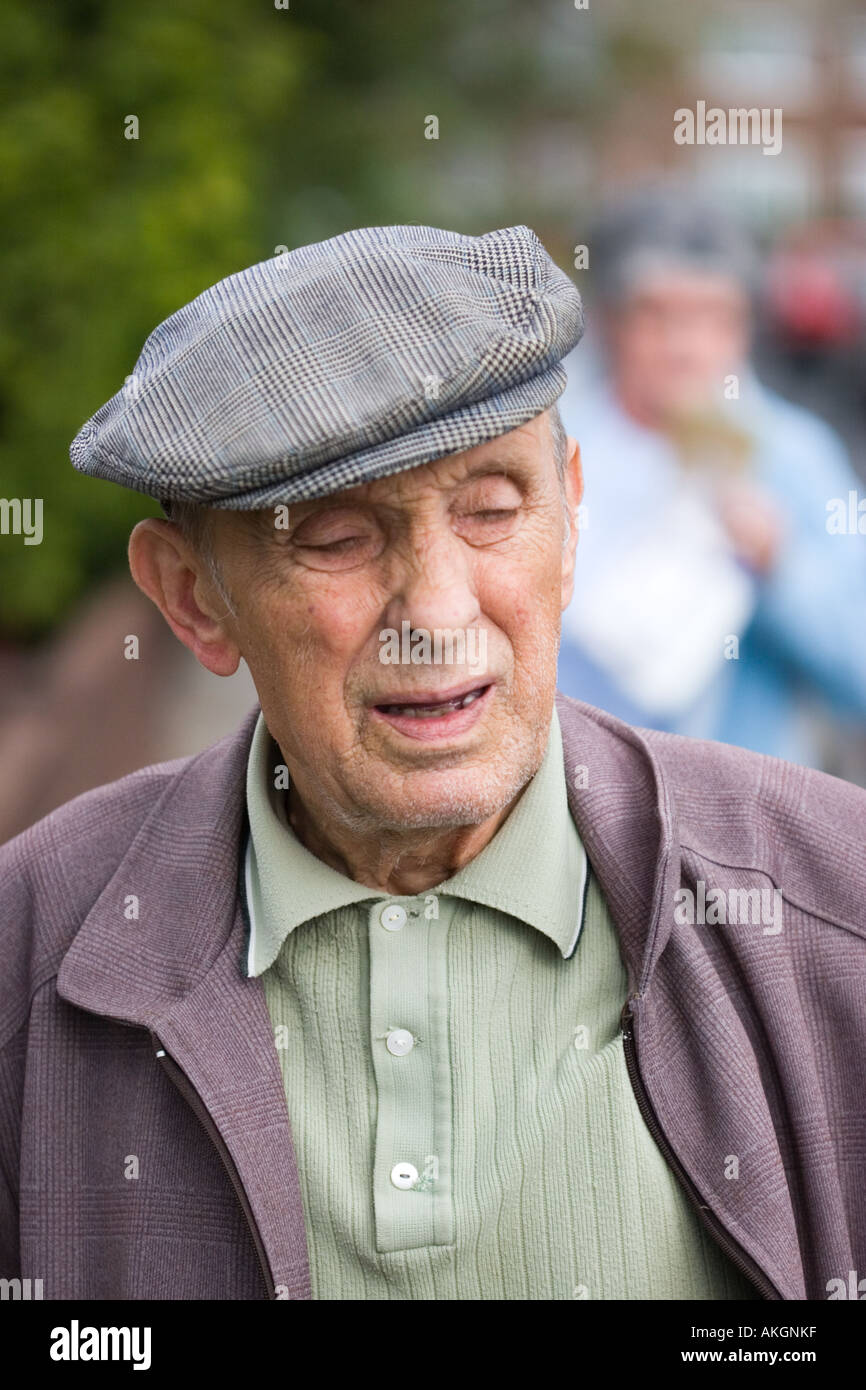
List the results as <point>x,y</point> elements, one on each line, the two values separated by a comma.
<point>399,862</point>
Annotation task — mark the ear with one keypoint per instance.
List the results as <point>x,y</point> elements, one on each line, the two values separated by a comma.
<point>168,569</point>
<point>573,493</point>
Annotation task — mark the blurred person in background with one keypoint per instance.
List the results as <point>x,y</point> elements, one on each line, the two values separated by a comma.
<point>711,599</point>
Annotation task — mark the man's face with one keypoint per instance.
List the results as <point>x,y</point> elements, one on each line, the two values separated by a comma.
<point>675,338</point>
<point>473,543</point>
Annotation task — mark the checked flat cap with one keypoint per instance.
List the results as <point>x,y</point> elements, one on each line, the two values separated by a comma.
<point>337,363</point>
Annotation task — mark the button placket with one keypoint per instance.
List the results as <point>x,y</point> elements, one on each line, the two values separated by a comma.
<point>413,1128</point>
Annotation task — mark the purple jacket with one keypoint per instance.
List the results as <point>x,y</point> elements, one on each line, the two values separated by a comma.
<point>145,1146</point>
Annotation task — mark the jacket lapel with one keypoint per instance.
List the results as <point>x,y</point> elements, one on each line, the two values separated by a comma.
<point>176,970</point>
<point>624,816</point>
<point>697,1063</point>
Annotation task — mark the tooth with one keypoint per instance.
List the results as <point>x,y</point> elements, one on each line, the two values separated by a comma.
<point>438,711</point>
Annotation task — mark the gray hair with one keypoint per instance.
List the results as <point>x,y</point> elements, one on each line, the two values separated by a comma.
<point>195,523</point>
<point>667,226</point>
<point>559,440</point>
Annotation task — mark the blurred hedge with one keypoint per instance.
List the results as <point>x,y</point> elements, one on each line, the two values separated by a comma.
<point>258,127</point>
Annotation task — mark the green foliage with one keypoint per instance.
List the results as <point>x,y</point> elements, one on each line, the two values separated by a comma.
<point>110,235</point>
<point>258,127</point>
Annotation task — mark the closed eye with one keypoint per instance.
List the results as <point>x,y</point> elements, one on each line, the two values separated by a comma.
<point>333,546</point>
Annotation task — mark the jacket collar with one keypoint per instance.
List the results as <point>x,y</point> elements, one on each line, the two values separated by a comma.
<point>178,882</point>
<point>624,812</point>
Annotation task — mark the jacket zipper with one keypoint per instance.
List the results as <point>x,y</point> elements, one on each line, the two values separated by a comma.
<point>735,1253</point>
<point>182,1083</point>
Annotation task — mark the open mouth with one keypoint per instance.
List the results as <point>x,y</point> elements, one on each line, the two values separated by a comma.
<point>430,717</point>
<point>433,709</point>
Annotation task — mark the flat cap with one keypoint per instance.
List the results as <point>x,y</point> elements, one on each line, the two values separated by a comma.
<point>337,363</point>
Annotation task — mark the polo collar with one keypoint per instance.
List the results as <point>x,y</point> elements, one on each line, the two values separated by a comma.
<point>535,867</point>
<point>274,858</point>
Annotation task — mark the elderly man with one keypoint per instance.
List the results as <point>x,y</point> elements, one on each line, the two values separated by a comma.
<point>428,983</point>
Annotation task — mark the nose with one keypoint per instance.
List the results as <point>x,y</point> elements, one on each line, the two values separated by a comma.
<point>433,583</point>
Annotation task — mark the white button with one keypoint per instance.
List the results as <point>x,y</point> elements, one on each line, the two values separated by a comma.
<point>393,917</point>
<point>399,1041</point>
<point>404,1175</point>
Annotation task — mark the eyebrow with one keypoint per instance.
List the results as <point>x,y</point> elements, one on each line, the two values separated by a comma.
<point>521,467</point>
<point>481,470</point>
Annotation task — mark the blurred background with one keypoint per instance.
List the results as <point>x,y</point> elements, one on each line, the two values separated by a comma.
<point>260,128</point>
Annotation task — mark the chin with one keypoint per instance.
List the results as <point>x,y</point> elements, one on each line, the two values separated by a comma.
<point>449,799</point>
